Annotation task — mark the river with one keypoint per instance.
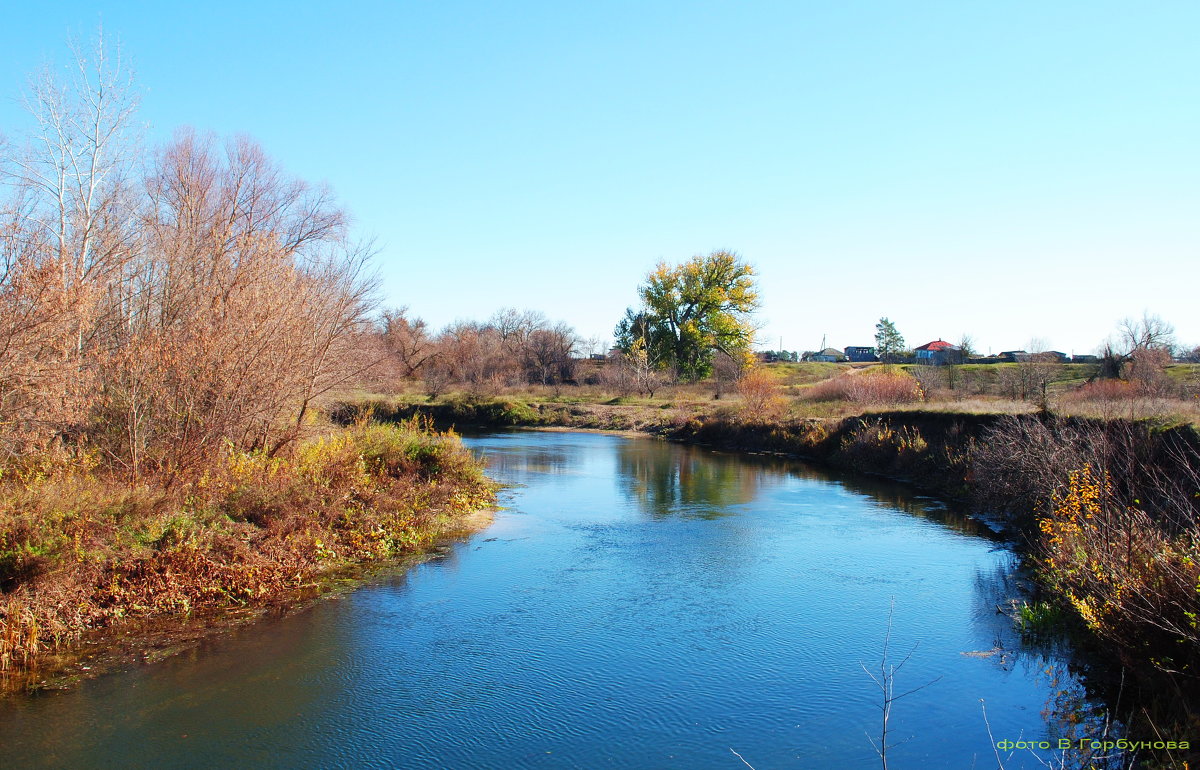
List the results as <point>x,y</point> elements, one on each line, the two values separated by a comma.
<point>635,604</point>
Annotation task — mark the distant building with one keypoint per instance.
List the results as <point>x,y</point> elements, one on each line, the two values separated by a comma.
<point>1085,359</point>
<point>1043,357</point>
<point>828,355</point>
<point>861,353</point>
<point>938,353</point>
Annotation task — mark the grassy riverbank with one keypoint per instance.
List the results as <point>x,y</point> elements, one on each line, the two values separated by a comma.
<point>82,550</point>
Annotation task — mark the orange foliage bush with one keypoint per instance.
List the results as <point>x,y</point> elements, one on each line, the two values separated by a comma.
<point>762,396</point>
<point>1103,390</point>
<point>162,307</point>
<point>868,387</point>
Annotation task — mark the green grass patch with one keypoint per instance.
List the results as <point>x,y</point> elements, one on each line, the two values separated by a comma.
<point>1039,619</point>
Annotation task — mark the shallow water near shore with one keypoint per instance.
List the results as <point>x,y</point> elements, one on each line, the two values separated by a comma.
<point>638,604</point>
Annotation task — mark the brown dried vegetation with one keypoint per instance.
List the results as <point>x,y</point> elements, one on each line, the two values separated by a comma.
<point>157,307</point>
<point>1114,511</point>
<point>80,552</point>
<point>873,387</point>
<point>167,320</point>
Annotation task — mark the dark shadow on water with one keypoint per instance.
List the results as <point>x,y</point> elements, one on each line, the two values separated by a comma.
<point>674,479</point>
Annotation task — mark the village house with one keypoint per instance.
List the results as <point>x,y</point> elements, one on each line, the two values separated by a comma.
<point>861,353</point>
<point>828,355</point>
<point>938,353</point>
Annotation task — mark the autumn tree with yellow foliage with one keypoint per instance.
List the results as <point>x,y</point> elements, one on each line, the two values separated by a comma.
<point>692,311</point>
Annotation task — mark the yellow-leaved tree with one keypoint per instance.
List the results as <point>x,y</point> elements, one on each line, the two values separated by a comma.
<point>692,311</point>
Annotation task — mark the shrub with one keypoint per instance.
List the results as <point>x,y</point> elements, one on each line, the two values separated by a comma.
<point>1125,577</point>
<point>873,386</point>
<point>762,396</point>
<point>876,445</point>
<point>1103,390</point>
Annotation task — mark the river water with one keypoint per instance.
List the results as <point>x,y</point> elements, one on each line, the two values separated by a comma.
<point>636,604</point>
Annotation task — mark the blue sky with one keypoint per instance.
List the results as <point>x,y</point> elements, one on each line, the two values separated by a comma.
<point>1008,170</point>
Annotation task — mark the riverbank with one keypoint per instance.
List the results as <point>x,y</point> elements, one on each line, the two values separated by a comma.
<point>900,451</point>
<point>87,557</point>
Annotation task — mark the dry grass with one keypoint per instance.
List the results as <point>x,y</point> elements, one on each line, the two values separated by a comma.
<point>829,391</point>
<point>81,550</point>
<point>973,405</point>
<point>1121,399</point>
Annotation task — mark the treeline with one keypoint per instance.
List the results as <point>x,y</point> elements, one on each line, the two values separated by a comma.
<point>510,348</point>
<point>159,304</point>
<point>695,320</point>
<point>515,348</point>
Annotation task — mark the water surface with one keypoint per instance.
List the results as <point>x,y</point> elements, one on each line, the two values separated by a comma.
<point>638,604</point>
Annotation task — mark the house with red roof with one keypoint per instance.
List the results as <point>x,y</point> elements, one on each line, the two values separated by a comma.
<point>938,353</point>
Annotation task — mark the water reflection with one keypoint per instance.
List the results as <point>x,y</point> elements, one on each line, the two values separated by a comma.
<point>554,460</point>
<point>667,480</point>
<point>685,481</point>
<point>1071,711</point>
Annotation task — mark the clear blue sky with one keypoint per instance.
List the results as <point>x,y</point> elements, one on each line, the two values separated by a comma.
<point>1005,169</point>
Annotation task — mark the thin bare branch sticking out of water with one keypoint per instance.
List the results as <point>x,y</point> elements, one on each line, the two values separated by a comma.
<point>886,682</point>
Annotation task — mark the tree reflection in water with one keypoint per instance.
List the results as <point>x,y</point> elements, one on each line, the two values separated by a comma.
<point>685,481</point>
<point>673,479</point>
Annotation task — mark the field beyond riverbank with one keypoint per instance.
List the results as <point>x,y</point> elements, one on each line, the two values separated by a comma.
<point>84,554</point>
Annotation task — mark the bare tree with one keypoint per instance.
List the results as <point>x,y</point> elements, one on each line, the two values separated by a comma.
<point>727,369</point>
<point>69,228</point>
<point>406,341</point>
<point>1029,379</point>
<point>513,327</point>
<point>1146,369</point>
<point>1150,332</point>
<point>966,345</point>
<point>511,348</point>
<point>635,371</point>
<point>476,355</point>
<point>169,308</point>
<point>931,378</point>
<point>78,161</point>
<point>549,354</point>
